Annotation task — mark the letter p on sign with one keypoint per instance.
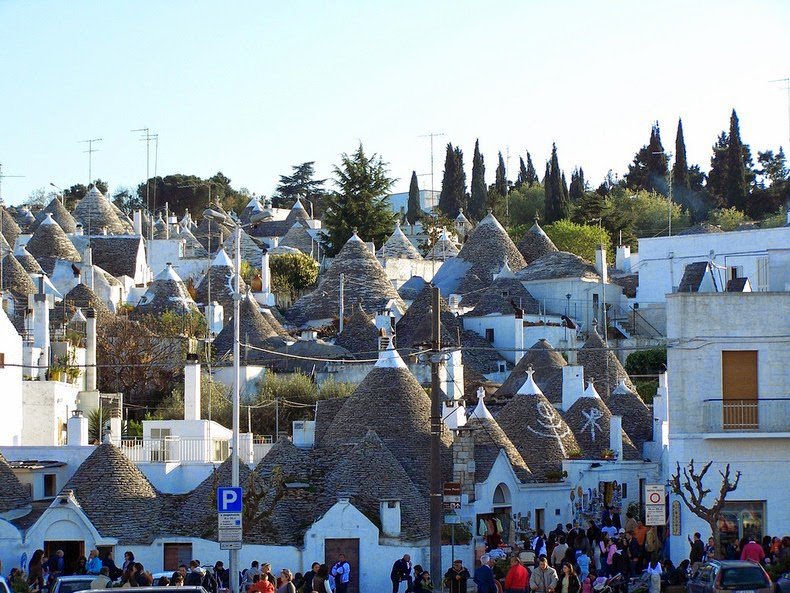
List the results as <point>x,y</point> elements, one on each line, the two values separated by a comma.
<point>228,500</point>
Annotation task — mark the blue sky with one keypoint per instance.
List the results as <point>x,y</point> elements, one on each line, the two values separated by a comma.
<point>250,88</point>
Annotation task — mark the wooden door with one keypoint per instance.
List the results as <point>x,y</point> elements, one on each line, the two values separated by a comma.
<point>350,549</point>
<point>739,389</point>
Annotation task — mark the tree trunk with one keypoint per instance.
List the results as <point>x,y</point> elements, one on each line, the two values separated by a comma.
<point>714,529</point>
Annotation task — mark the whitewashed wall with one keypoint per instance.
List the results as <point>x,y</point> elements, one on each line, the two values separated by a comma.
<point>11,380</point>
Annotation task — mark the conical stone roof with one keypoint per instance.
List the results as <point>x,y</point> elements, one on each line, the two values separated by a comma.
<point>365,281</point>
<point>359,335</point>
<point>4,246</point>
<point>537,430</point>
<point>211,234</point>
<point>389,401</point>
<point>49,243</point>
<point>27,261</point>
<point>13,495</point>
<point>192,247</point>
<point>443,249</point>
<point>166,293</point>
<point>59,214</point>
<point>95,213</point>
<point>503,297</point>
<point>398,246</point>
<point>601,364</point>
<point>535,244</point>
<point>637,417</point>
<point>252,207</point>
<point>116,496</point>
<point>298,237</point>
<point>254,329</point>
<point>486,250</point>
<point>221,279</point>
<point>489,440</point>
<point>81,297</point>
<point>251,252</point>
<point>414,328</point>
<point>369,474</point>
<point>16,279</point>
<point>297,213</point>
<point>547,365</point>
<point>10,229</point>
<point>589,419</point>
<point>294,463</point>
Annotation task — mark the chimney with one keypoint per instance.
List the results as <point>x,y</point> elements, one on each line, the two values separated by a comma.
<point>137,222</point>
<point>78,230</point>
<point>572,385</point>
<point>616,436</point>
<point>600,263</point>
<point>77,430</point>
<point>464,460</point>
<point>266,276</point>
<point>41,325</point>
<point>661,399</point>
<point>115,424</point>
<point>622,258</point>
<point>90,350</point>
<point>572,346</point>
<point>309,335</point>
<point>519,334</point>
<point>389,511</point>
<point>192,388</point>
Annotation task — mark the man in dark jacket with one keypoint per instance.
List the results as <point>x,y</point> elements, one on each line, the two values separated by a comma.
<point>401,571</point>
<point>308,577</point>
<point>484,576</point>
<point>697,550</point>
<point>456,577</point>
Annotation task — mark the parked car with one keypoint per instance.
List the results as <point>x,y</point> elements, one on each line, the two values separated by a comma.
<point>720,576</point>
<point>73,583</point>
<point>783,583</point>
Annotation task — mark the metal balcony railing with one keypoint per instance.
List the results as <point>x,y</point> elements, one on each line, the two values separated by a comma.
<point>175,449</point>
<point>747,415</point>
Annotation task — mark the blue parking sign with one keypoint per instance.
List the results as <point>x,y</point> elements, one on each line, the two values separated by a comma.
<point>229,500</point>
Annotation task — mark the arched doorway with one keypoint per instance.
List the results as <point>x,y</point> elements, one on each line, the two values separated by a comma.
<point>503,512</point>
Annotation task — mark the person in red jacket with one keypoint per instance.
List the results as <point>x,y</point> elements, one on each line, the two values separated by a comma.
<point>753,551</point>
<point>517,577</point>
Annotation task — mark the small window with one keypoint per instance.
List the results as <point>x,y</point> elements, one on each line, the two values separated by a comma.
<point>624,490</point>
<point>505,294</point>
<point>50,485</point>
<point>502,367</point>
<point>557,512</point>
<point>175,555</point>
<point>490,334</point>
<point>391,504</point>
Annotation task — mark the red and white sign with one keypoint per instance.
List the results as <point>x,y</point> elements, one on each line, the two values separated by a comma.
<point>655,494</point>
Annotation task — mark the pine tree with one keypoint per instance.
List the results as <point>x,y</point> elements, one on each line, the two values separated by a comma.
<point>680,170</point>
<point>522,173</point>
<point>477,199</point>
<point>650,167</point>
<point>532,175</point>
<point>556,191</point>
<point>360,201</point>
<point>414,209</point>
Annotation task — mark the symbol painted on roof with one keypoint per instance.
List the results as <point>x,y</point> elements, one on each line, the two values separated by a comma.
<point>593,415</point>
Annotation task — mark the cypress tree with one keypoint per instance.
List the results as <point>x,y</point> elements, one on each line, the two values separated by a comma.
<point>578,185</point>
<point>414,210</point>
<point>736,184</point>
<point>477,199</point>
<point>557,203</point>
<point>680,170</point>
<point>548,205</point>
<point>522,173</point>
<point>718,170</point>
<point>453,195</point>
<point>532,175</point>
<point>649,169</point>
<point>500,182</point>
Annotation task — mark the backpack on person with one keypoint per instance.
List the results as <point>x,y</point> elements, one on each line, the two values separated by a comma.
<point>209,583</point>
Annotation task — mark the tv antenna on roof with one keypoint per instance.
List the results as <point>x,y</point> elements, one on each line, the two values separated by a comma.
<point>3,176</point>
<point>90,152</point>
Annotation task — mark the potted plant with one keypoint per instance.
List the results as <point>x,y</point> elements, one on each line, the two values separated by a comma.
<point>608,454</point>
<point>575,454</point>
<point>556,476</point>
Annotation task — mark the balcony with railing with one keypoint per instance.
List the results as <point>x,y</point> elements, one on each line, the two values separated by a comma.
<point>746,417</point>
<point>175,449</point>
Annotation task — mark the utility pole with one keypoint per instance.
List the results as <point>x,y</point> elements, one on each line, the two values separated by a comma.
<point>507,185</point>
<point>436,434</point>
<point>147,137</point>
<point>90,152</point>
<point>432,135</point>
<point>786,82</point>
<point>342,304</point>
<point>3,176</point>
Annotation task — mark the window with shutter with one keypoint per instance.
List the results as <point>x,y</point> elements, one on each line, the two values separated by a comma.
<point>739,389</point>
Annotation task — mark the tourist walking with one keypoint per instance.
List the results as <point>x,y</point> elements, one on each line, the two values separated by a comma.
<point>558,554</point>
<point>544,577</point>
<point>93,565</point>
<point>655,571</point>
<point>455,579</point>
<point>321,580</point>
<point>307,579</point>
<point>568,582</point>
<point>752,551</point>
<point>286,582</point>
<point>517,577</point>
<point>697,550</point>
<point>401,571</point>
<point>484,576</point>
<point>341,573</point>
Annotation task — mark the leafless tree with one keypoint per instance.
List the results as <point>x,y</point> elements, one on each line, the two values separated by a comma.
<point>687,483</point>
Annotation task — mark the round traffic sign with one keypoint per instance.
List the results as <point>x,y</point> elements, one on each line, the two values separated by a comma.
<point>654,498</point>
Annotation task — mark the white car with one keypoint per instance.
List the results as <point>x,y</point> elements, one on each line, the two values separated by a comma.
<point>73,583</point>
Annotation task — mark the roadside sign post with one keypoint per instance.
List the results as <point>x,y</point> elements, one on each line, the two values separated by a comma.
<point>451,503</point>
<point>229,521</point>
<point>655,504</point>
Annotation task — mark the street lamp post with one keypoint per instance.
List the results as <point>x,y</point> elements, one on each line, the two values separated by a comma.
<point>234,456</point>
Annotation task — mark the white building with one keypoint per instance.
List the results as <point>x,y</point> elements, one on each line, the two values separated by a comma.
<point>11,380</point>
<point>728,403</point>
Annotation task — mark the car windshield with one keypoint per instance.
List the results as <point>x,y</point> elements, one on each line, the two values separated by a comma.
<point>71,586</point>
<point>745,577</point>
